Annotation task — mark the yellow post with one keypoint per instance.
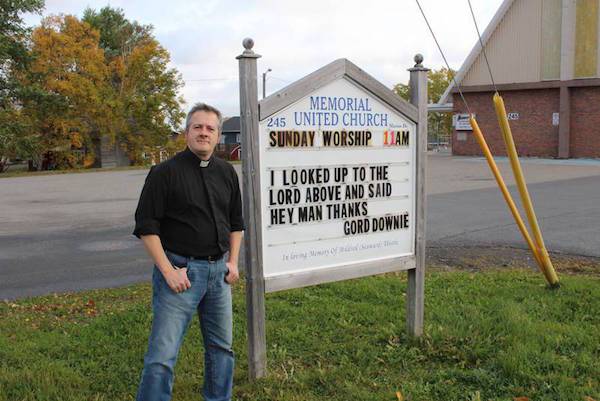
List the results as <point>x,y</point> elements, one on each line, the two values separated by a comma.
<point>526,199</point>
<point>507,197</point>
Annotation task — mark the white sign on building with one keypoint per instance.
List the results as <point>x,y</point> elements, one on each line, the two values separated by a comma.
<point>462,123</point>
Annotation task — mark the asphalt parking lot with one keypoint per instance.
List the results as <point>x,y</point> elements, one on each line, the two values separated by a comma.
<point>73,231</point>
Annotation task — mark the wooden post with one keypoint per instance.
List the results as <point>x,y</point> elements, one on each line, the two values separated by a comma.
<point>255,285</point>
<point>416,276</point>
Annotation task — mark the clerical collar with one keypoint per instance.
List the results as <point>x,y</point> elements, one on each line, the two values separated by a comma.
<point>193,157</point>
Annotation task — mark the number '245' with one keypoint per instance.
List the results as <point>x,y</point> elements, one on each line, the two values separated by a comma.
<point>276,122</point>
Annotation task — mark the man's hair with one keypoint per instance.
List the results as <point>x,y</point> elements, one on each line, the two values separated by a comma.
<point>203,107</point>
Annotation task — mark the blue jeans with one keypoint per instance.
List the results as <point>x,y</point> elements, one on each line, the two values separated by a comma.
<point>210,296</point>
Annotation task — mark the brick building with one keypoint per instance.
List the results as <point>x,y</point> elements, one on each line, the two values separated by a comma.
<point>544,57</point>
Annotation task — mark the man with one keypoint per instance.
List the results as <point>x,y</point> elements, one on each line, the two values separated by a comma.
<point>189,218</point>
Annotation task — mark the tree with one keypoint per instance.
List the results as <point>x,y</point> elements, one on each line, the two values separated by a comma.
<point>13,38</point>
<point>14,139</point>
<point>439,124</point>
<point>150,99</point>
<point>13,54</point>
<point>403,91</point>
<point>103,77</point>
<point>145,89</point>
<point>118,35</point>
<point>437,82</point>
<point>69,100</point>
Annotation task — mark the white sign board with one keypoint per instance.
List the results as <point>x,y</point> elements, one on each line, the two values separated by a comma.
<point>462,123</point>
<point>337,180</point>
<point>555,119</point>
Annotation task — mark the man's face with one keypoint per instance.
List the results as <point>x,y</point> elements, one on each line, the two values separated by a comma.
<point>203,133</point>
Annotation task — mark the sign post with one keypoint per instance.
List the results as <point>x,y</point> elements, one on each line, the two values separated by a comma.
<point>334,185</point>
<point>416,276</point>
<point>255,285</point>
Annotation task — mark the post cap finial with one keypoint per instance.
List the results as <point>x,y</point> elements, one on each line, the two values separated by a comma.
<point>248,44</point>
<point>418,60</point>
<point>248,53</point>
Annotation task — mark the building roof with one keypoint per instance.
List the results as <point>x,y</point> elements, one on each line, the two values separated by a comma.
<point>476,51</point>
<point>231,124</point>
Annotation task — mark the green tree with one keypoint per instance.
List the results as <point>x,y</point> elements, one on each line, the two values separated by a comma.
<point>14,54</point>
<point>118,35</point>
<point>403,91</point>
<point>145,89</point>
<point>13,39</point>
<point>439,125</point>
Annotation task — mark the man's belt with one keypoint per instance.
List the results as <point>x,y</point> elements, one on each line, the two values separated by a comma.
<point>209,258</point>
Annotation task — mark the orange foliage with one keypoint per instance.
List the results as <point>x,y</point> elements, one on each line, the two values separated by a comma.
<point>131,97</point>
<point>69,67</point>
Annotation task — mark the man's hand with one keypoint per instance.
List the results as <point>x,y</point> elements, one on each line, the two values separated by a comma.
<point>177,280</point>
<point>233,275</point>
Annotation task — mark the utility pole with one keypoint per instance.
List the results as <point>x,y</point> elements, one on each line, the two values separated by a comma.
<point>265,82</point>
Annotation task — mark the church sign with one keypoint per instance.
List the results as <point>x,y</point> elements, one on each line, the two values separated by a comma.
<point>337,187</point>
<point>334,186</point>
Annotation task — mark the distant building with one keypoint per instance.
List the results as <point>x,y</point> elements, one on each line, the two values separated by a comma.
<point>110,154</point>
<point>230,133</point>
<point>229,147</point>
<point>544,58</point>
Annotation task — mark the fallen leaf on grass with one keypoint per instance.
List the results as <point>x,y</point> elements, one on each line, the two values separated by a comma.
<point>521,399</point>
<point>400,398</point>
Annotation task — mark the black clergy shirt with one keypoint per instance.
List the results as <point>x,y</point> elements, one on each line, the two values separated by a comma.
<point>192,209</point>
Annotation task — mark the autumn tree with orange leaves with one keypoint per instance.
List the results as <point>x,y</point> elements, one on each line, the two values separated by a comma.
<point>99,77</point>
<point>70,103</point>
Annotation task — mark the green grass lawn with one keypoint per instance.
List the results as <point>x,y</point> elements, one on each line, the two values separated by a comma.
<point>491,335</point>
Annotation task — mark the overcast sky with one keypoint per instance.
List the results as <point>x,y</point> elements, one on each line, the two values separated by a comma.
<point>295,37</point>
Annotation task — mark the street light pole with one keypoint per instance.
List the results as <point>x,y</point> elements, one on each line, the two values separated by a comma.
<point>265,82</point>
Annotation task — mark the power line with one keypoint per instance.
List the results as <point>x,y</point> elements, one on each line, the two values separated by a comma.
<point>210,79</point>
<point>444,57</point>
